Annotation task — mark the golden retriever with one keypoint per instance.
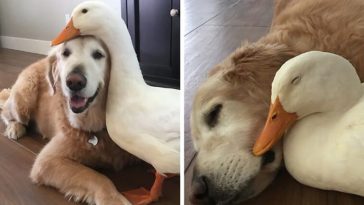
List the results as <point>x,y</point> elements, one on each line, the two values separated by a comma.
<point>230,107</point>
<point>65,94</point>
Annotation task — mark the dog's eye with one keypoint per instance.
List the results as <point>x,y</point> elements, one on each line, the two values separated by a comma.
<point>66,52</point>
<point>97,55</point>
<point>84,11</point>
<point>212,117</point>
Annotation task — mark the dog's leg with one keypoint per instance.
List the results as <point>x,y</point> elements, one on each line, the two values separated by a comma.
<point>17,109</point>
<point>14,130</point>
<point>4,95</point>
<point>16,115</point>
<point>72,178</point>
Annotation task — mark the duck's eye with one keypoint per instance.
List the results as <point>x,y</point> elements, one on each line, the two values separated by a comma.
<point>212,117</point>
<point>97,55</point>
<point>296,80</point>
<point>84,11</point>
<point>66,53</point>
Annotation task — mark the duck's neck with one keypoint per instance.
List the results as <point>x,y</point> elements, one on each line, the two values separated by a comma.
<point>124,62</point>
<point>337,100</point>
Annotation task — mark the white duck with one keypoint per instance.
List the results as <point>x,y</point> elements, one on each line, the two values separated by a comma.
<point>142,119</point>
<point>325,147</point>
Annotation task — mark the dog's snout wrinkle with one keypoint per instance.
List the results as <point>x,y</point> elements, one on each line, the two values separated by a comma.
<point>230,183</point>
<point>230,172</point>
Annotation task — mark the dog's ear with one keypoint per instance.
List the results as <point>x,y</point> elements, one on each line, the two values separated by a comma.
<point>52,71</point>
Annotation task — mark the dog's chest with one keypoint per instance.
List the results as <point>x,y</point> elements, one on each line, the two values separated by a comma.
<point>99,146</point>
<point>96,140</point>
<point>96,149</point>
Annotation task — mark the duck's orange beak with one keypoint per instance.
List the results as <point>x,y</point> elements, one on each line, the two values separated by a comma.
<point>68,33</point>
<point>277,123</point>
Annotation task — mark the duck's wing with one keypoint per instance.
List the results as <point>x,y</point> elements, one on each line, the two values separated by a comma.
<point>164,159</point>
<point>346,151</point>
<point>162,115</point>
<point>326,151</point>
<point>148,127</point>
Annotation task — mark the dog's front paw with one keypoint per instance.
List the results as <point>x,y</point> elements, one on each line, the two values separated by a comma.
<point>15,130</point>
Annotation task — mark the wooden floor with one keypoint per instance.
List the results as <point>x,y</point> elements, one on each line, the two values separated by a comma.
<point>16,157</point>
<point>213,29</point>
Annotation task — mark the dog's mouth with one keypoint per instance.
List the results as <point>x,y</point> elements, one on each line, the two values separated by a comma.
<point>79,103</point>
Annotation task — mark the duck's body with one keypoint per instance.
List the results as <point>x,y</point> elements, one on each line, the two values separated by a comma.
<point>325,147</point>
<point>149,130</point>
<point>141,119</point>
<point>326,150</point>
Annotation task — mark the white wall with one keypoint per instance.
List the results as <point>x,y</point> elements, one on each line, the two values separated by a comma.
<point>29,25</point>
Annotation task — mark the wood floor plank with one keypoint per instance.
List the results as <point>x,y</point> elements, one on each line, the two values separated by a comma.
<point>15,185</point>
<point>33,142</point>
<point>143,176</point>
<point>18,58</point>
<point>313,196</point>
<point>338,198</point>
<point>257,13</point>
<point>12,63</point>
<point>204,48</point>
<point>196,13</point>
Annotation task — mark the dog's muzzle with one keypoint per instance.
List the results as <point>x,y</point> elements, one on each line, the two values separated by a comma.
<point>229,182</point>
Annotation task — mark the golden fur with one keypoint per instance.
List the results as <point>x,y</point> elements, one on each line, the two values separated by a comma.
<point>241,84</point>
<point>66,162</point>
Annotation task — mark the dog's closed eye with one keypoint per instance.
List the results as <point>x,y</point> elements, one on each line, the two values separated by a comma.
<point>212,117</point>
<point>97,55</point>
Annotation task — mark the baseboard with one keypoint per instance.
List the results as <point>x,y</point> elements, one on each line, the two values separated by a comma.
<point>25,44</point>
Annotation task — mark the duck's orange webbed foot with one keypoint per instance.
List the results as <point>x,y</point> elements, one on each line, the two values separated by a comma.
<point>142,196</point>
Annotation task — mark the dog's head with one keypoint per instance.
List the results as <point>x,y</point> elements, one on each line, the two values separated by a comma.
<point>80,72</point>
<point>228,114</point>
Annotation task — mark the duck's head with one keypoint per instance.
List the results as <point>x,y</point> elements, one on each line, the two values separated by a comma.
<point>88,18</point>
<point>313,82</point>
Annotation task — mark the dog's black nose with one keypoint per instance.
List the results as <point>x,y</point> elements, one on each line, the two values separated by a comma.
<point>76,81</point>
<point>199,191</point>
<point>206,192</point>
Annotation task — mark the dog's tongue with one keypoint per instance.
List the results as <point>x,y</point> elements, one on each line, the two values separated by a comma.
<point>78,101</point>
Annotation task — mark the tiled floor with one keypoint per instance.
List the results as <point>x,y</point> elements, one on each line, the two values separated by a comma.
<point>213,29</point>
<point>16,157</point>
